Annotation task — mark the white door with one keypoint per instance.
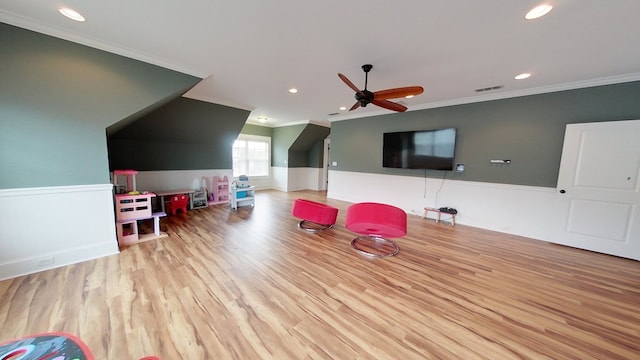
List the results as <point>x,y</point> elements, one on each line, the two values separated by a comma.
<point>324,178</point>
<point>599,180</point>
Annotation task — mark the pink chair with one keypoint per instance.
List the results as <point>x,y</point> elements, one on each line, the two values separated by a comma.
<point>375,223</point>
<point>178,202</point>
<point>315,216</point>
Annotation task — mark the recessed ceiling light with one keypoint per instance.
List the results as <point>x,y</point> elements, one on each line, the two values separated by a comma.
<point>262,119</point>
<point>538,11</point>
<point>408,96</point>
<point>522,76</point>
<point>293,90</point>
<point>343,108</point>
<point>71,14</point>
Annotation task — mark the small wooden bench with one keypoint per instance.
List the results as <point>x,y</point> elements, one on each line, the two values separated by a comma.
<point>438,213</point>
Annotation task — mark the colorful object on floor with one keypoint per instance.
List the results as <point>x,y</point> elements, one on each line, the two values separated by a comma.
<point>50,346</point>
<point>315,216</point>
<point>375,223</point>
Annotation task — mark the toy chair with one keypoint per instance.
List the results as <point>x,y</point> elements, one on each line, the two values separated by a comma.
<point>178,202</point>
<point>375,222</point>
<point>315,216</point>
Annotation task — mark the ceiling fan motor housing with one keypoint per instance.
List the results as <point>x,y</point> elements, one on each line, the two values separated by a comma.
<point>364,97</point>
<point>379,98</point>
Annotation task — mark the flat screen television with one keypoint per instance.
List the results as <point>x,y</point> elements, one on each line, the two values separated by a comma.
<point>427,149</point>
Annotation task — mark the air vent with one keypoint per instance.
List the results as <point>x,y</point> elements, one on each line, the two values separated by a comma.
<point>334,114</point>
<point>489,88</point>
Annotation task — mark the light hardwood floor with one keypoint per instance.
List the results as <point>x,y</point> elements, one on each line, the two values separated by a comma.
<point>250,285</point>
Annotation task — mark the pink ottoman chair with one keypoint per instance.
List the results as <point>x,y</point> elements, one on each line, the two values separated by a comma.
<point>375,223</point>
<point>315,216</point>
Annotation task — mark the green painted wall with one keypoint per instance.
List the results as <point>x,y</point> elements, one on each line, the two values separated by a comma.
<point>306,150</point>
<point>185,134</point>
<point>283,138</point>
<point>298,145</point>
<point>527,130</point>
<point>316,154</point>
<point>56,100</point>
<point>250,129</point>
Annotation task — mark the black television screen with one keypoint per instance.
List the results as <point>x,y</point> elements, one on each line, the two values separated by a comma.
<point>428,149</point>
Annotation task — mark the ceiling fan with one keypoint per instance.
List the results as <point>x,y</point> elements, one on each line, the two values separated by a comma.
<point>379,98</point>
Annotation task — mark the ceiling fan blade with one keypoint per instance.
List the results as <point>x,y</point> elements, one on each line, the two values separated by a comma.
<point>397,92</point>
<point>349,83</point>
<point>355,106</point>
<point>390,105</point>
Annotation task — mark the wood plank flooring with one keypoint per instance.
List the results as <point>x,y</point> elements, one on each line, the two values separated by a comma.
<point>248,284</point>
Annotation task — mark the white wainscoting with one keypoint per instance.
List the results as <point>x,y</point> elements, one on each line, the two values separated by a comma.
<point>189,179</point>
<point>280,178</point>
<point>45,228</point>
<point>303,178</point>
<point>514,209</point>
<point>294,179</point>
<point>261,182</point>
<point>176,179</point>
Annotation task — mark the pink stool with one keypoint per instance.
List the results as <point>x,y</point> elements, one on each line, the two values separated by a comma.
<point>315,216</point>
<point>375,222</point>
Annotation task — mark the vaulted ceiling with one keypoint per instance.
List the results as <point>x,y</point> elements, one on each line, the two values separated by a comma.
<point>250,53</point>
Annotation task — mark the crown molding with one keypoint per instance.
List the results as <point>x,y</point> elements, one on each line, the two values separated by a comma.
<point>611,80</point>
<point>118,49</point>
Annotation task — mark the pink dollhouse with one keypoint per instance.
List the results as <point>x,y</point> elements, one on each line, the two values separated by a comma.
<point>132,206</point>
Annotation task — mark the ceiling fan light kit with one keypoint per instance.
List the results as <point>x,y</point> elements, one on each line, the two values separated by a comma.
<point>380,98</point>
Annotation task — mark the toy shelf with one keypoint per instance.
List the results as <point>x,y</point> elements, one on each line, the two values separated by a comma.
<point>218,189</point>
<point>243,196</point>
<point>199,199</point>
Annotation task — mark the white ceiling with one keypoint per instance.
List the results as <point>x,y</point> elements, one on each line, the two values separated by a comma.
<point>251,52</point>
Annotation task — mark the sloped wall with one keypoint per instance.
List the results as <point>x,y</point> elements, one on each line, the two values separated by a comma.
<point>298,145</point>
<point>57,99</point>
<point>185,134</point>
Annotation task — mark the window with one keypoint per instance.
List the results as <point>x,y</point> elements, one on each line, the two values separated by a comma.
<point>251,156</point>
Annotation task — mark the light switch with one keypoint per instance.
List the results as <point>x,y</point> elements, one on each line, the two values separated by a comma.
<point>335,163</point>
